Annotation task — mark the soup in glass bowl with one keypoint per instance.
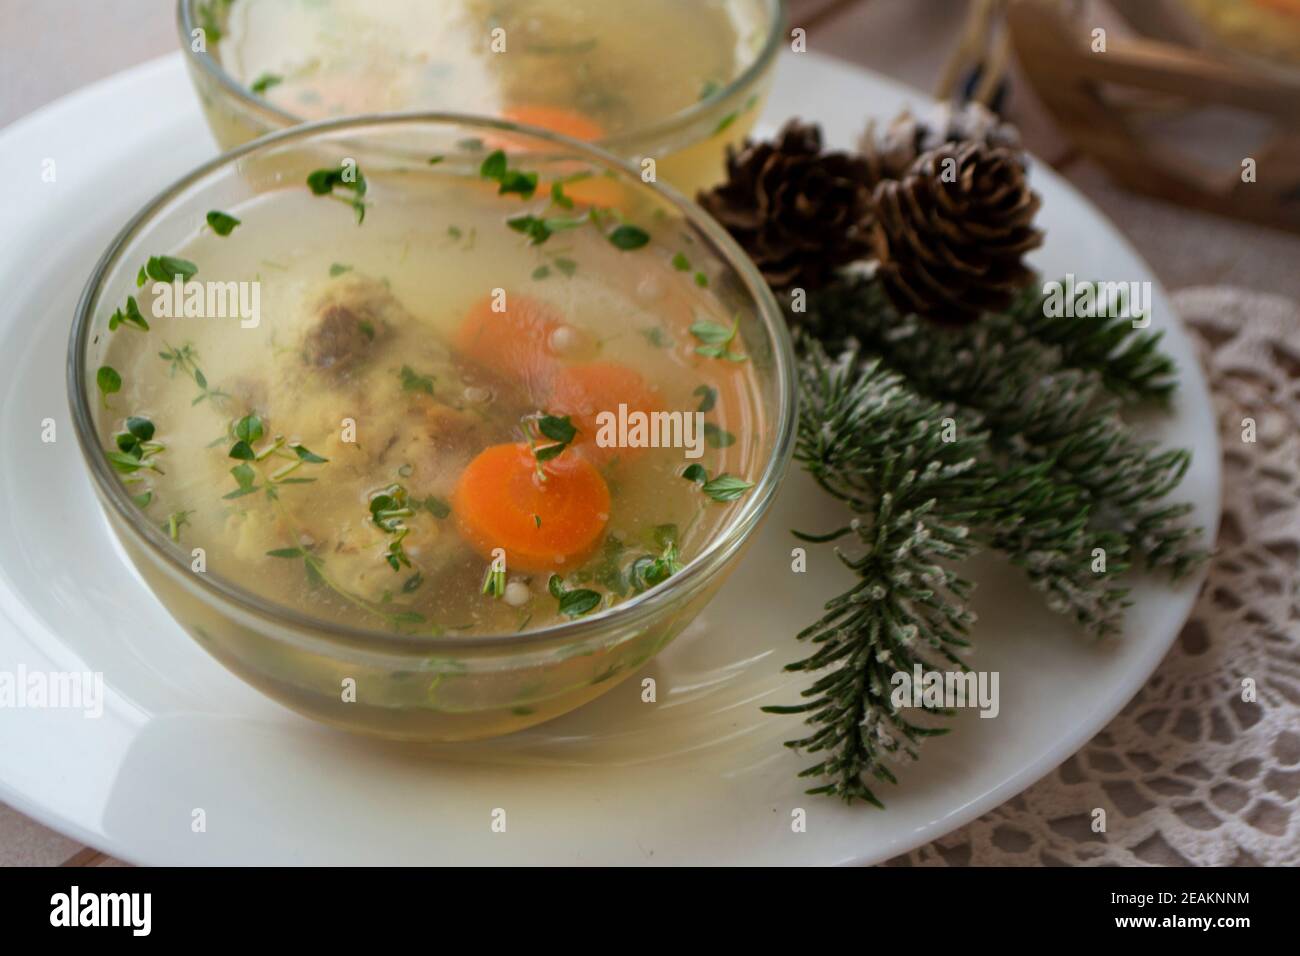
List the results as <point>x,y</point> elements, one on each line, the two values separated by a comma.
<point>674,81</point>
<point>430,427</point>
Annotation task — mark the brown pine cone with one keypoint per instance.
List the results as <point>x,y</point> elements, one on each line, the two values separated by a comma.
<point>800,213</point>
<point>957,225</point>
<point>892,153</point>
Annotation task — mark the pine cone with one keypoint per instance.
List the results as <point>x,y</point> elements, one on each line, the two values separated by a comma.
<point>956,232</point>
<point>799,213</point>
<point>892,153</point>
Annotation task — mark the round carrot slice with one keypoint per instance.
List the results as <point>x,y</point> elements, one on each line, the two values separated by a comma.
<point>584,391</point>
<point>550,525</point>
<point>557,119</point>
<point>514,344</point>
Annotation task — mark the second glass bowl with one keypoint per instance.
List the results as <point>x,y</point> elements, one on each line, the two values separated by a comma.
<point>687,140</point>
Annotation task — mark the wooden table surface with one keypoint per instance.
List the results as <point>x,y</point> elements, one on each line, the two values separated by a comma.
<point>51,48</point>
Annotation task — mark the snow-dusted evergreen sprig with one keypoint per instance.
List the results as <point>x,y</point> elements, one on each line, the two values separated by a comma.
<point>1038,407</point>
<point>1131,366</point>
<point>870,441</point>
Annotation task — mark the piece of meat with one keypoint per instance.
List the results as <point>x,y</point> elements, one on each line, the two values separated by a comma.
<point>339,340</point>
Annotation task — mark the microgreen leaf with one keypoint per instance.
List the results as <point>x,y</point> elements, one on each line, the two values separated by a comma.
<point>108,380</point>
<point>579,602</point>
<point>167,268</point>
<point>307,456</point>
<point>249,429</point>
<point>265,82</point>
<point>557,428</point>
<point>708,398</point>
<point>628,237</point>
<point>223,224</point>
<point>726,487</point>
<point>717,437</point>
<point>412,381</point>
<point>695,472</point>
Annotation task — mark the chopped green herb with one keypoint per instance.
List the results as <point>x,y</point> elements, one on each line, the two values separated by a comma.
<point>558,196</point>
<point>541,272</point>
<point>412,381</point>
<point>223,224</point>
<point>337,269</point>
<point>681,263</point>
<point>265,82</point>
<point>708,398</point>
<point>388,509</point>
<point>131,316</point>
<point>656,337</point>
<point>717,437</point>
<point>108,380</point>
<point>167,268</point>
<point>494,581</point>
<point>566,266</point>
<point>573,603</point>
<point>628,237</point>
<point>716,338</point>
<point>437,507</point>
<point>435,160</point>
<point>175,521</point>
<point>726,487</point>
<point>695,473</point>
<point>538,229</point>
<point>497,168</point>
<point>323,182</point>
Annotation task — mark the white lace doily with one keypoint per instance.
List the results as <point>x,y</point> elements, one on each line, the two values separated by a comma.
<point>1188,773</point>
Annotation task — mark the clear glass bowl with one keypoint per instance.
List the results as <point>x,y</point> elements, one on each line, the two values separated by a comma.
<point>421,688</point>
<point>689,147</point>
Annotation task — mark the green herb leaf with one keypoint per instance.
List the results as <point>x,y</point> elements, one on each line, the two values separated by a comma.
<point>717,437</point>
<point>681,263</point>
<point>566,266</point>
<point>557,428</point>
<point>108,380</point>
<point>437,507</point>
<point>708,398</point>
<point>265,82</point>
<point>337,269</point>
<point>140,427</point>
<point>578,602</point>
<point>695,472</point>
<point>494,165</point>
<point>412,381</point>
<point>249,429</point>
<point>286,553</point>
<point>628,237</point>
<point>307,456</point>
<point>711,333</point>
<point>223,224</point>
<point>167,268</point>
<point>726,488</point>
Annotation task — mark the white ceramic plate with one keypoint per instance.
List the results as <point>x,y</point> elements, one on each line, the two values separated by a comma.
<point>699,777</point>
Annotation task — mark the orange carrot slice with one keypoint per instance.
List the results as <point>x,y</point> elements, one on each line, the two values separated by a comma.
<point>513,345</point>
<point>550,525</point>
<point>584,391</point>
<point>557,119</point>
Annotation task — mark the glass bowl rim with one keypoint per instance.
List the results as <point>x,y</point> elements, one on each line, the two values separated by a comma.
<point>699,569</point>
<point>662,127</point>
